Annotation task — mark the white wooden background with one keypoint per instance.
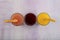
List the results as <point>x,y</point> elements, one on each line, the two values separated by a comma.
<point>24,32</point>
